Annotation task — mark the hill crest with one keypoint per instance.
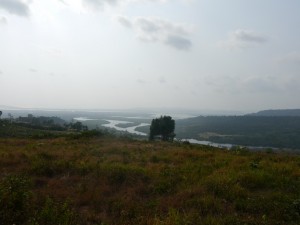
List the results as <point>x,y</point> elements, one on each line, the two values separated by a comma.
<point>277,112</point>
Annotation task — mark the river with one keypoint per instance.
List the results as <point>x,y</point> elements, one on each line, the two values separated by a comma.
<point>194,141</point>
<point>114,124</point>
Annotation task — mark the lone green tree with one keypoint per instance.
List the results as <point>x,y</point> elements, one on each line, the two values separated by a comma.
<point>163,127</point>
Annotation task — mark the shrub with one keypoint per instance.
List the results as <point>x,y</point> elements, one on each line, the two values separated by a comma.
<point>54,213</point>
<point>128,175</point>
<point>15,200</point>
<point>43,165</point>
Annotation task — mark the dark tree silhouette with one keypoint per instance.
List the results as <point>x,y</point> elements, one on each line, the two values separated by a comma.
<point>78,126</point>
<point>0,114</point>
<point>163,127</point>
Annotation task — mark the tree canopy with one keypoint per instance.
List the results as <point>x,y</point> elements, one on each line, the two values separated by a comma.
<point>163,127</point>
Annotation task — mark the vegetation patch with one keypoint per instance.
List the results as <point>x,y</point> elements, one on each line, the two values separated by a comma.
<point>101,179</point>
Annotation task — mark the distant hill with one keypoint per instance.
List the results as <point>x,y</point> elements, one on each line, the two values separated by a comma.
<point>277,112</point>
<point>263,131</point>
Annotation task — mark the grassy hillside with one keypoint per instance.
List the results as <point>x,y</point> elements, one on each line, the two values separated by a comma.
<point>107,180</point>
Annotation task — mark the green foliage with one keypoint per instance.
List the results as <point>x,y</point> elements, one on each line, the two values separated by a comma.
<point>163,126</point>
<point>14,200</point>
<point>265,131</point>
<point>54,213</point>
<point>296,207</point>
<point>78,126</point>
<point>123,181</point>
<point>41,122</point>
<point>118,175</point>
<point>18,206</point>
<point>174,217</point>
<point>18,130</point>
<point>43,164</point>
<point>88,134</point>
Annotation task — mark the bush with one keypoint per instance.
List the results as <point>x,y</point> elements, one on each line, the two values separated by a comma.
<point>87,134</point>
<point>15,200</point>
<point>54,213</point>
<point>17,205</point>
<point>92,133</point>
<point>128,175</point>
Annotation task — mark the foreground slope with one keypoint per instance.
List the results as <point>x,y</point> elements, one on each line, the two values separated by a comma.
<point>110,180</point>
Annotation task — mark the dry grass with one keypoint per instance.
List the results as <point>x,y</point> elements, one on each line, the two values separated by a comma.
<point>122,181</point>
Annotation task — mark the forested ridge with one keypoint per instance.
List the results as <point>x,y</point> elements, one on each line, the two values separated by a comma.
<point>268,131</point>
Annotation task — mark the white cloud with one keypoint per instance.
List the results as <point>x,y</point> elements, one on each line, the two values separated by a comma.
<point>248,84</point>
<point>260,84</point>
<point>151,29</point>
<point>124,21</point>
<point>248,36</point>
<point>49,50</point>
<point>99,4</point>
<point>32,70</point>
<point>178,42</point>
<point>62,1</point>
<point>293,57</point>
<point>141,81</point>
<point>292,84</point>
<point>243,39</point>
<point>16,7</point>
<point>162,80</point>
<point>3,20</point>
<point>114,2</point>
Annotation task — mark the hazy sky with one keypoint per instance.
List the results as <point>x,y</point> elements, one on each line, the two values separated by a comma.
<point>199,54</point>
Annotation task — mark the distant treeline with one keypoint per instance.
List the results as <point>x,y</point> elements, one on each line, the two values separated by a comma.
<point>45,123</point>
<point>277,112</point>
<point>271,131</point>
